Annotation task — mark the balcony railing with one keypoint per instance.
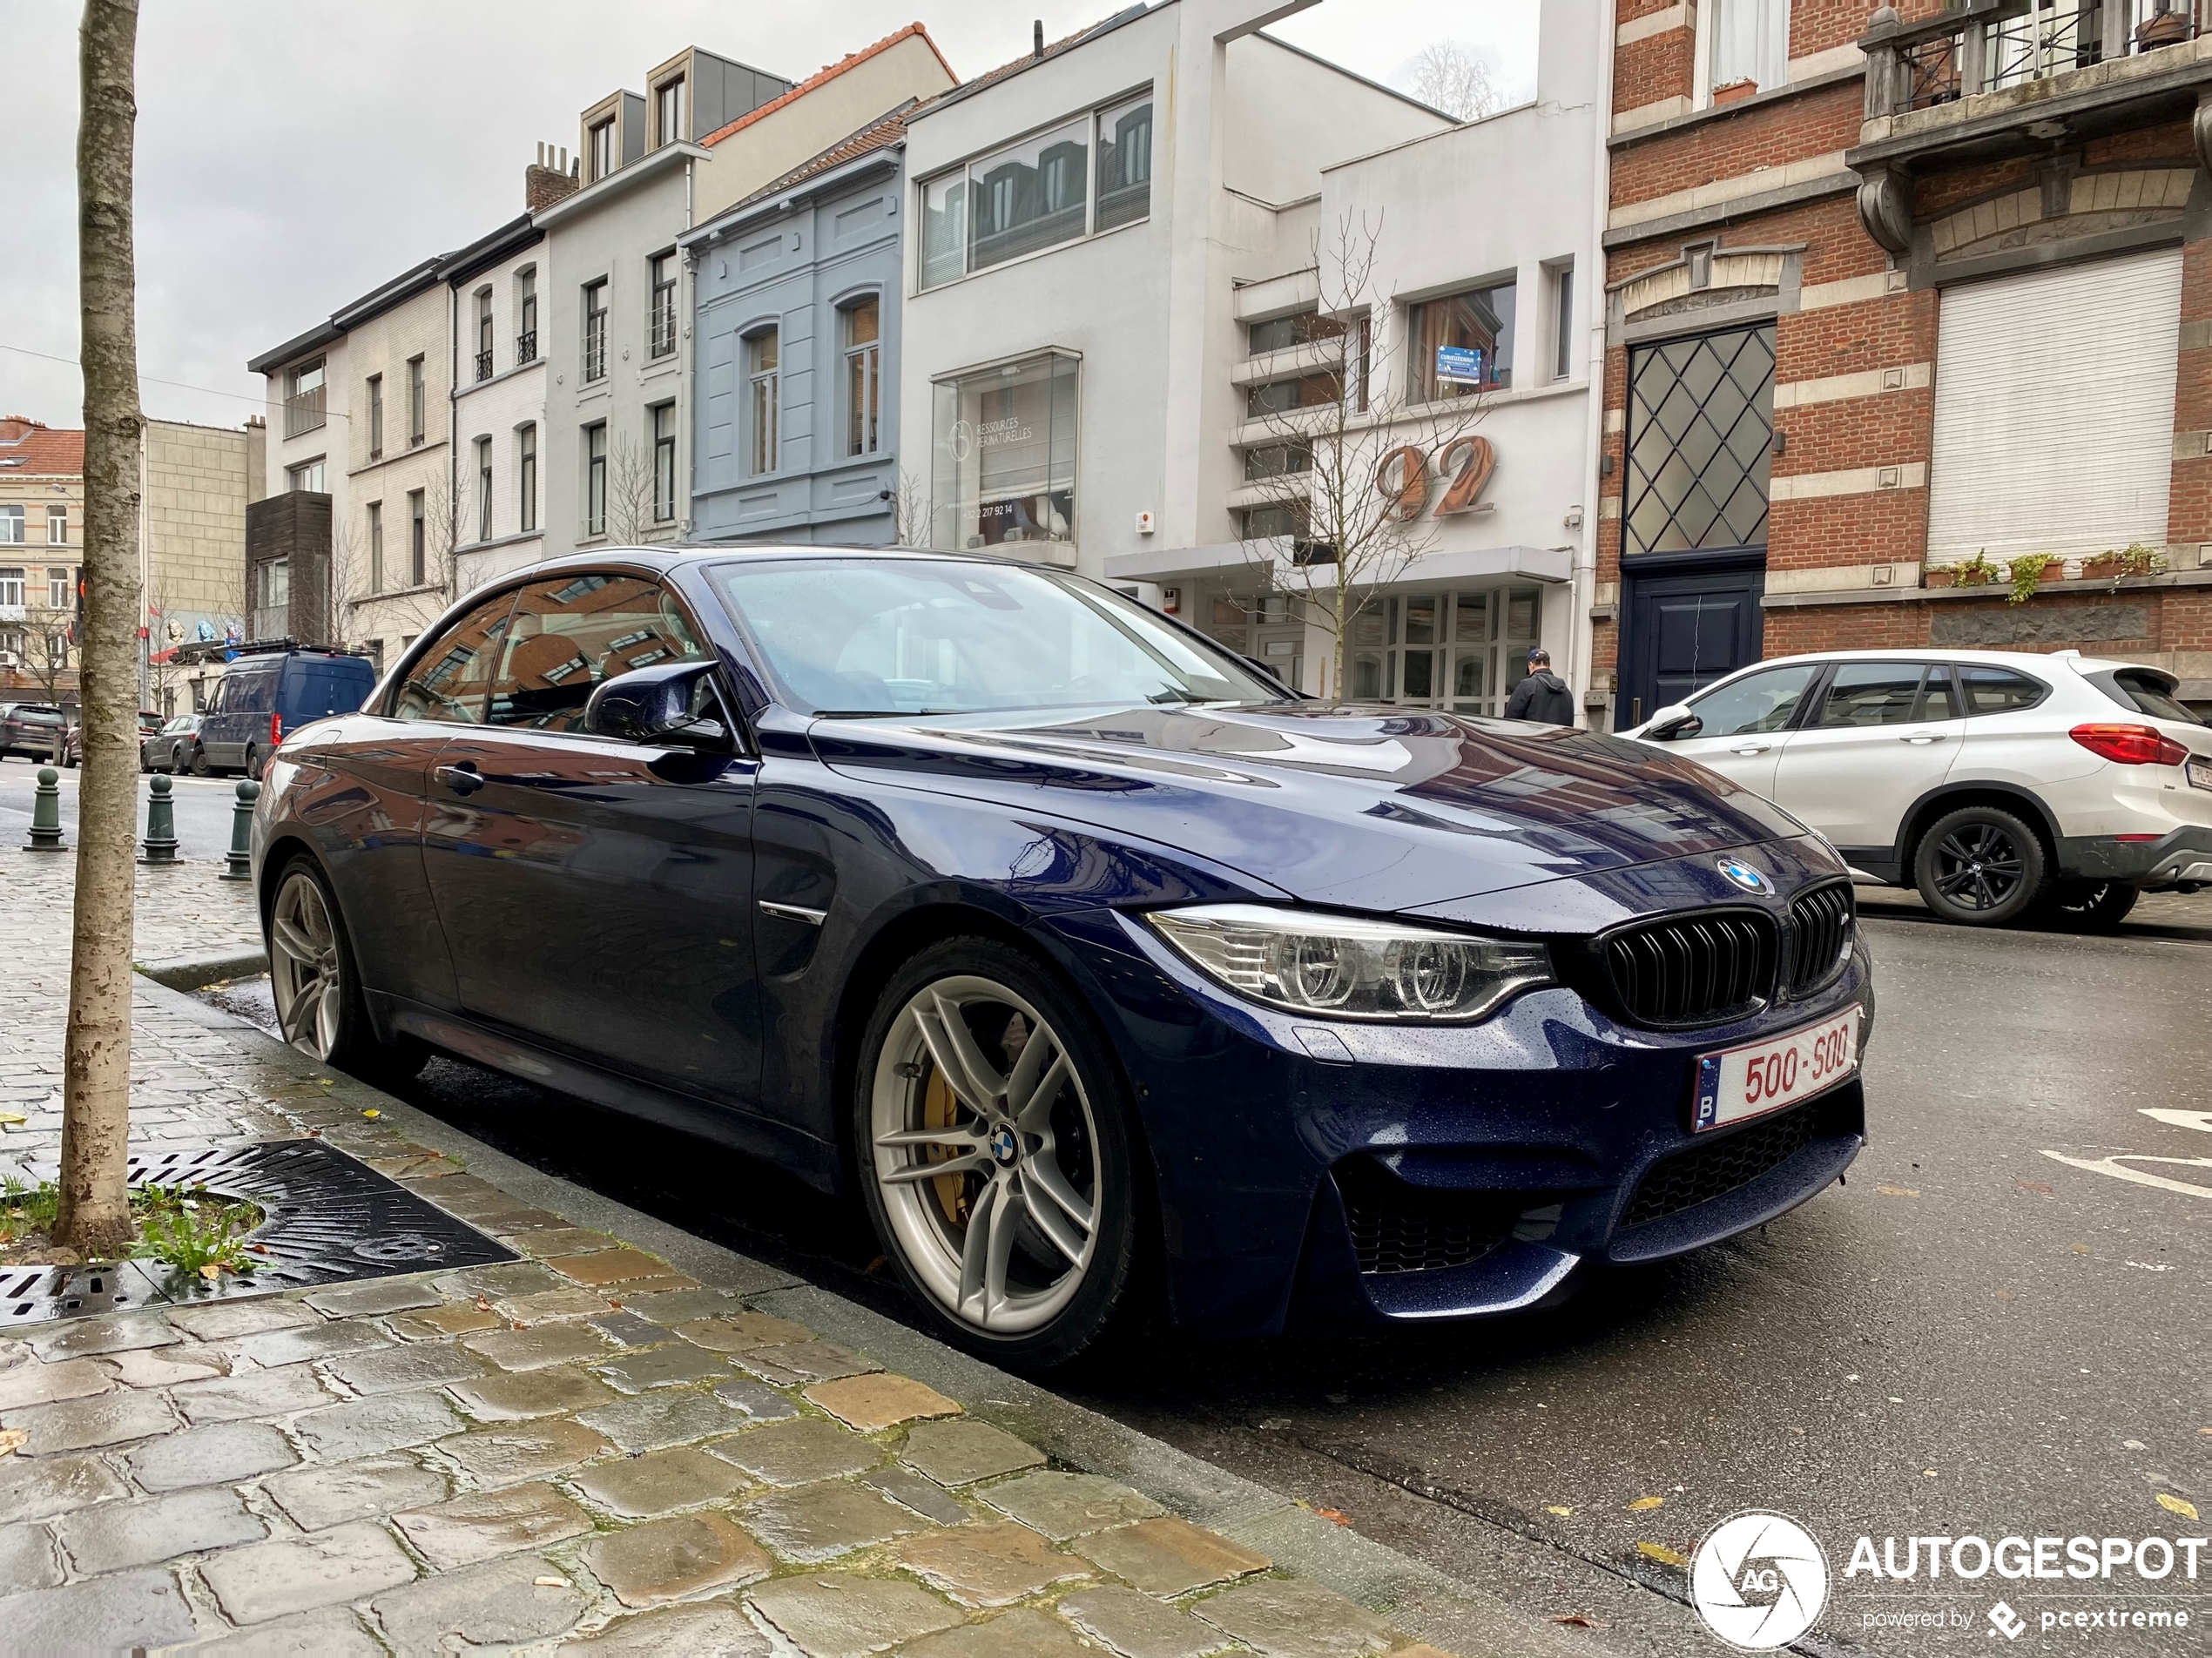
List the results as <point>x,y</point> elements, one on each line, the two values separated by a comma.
<point>1986,45</point>
<point>664,322</point>
<point>303,411</point>
<point>595,346</point>
<point>526,346</point>
<point>483,365</point>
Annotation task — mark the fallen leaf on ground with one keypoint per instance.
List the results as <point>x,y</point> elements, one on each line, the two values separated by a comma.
<point>2035,1185</point>
<point>12,1438</point>
<point>1579,1620</point>
<point>1643,1503</point>
<point>1562,1513</point>
<point>13,1119</point>
<point>549,1582</point>
<point>2077,1249</point>
<point>211,1272</point>
<point>1661,1554</point>
<point>1337,1515</point>
<point>1897,1191</point>
<point>372,1112</point>
<point>2174,1505</point>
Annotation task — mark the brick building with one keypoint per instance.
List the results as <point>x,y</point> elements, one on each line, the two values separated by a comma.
<point>1896,291</point>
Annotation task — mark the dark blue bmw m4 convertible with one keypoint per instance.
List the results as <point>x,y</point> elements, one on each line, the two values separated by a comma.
<point>1107,968</point>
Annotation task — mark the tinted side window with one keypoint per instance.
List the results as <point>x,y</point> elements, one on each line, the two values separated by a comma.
<point>1937,700</point>
<point>570,633</point>
<point>447,681</point>
<point>1999,690</point>
<point>1758,702</point>
<point>249,693</point>
<point>2147,694</point>
<point>1870,693</point>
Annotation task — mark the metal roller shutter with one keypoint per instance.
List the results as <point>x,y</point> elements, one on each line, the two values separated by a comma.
<point>2054,410</point>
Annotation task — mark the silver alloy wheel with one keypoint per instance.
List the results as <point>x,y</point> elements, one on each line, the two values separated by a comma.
<point>303,967</point>
<point>986,1155</point>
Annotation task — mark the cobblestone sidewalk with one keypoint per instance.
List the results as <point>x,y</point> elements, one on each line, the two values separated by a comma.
<point>591,1447</point>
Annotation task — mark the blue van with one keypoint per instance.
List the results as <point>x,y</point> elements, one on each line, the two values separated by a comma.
<point>263,695</point>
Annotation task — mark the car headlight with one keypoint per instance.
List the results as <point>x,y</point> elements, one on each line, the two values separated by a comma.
<point>1346,966</point>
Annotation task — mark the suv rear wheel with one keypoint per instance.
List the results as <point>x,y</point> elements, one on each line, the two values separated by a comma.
<point>1980,866</point>
<point>2094,907</point>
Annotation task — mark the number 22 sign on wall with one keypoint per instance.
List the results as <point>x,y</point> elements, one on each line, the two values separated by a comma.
<point>1465,464</point>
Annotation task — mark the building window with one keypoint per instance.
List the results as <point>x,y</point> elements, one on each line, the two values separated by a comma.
<point>303,399</point>
<point>11,586</point>
<point>602,149</point>
<point>1563,323</point>
<point>526,479</point>
<point>308,476</point>
<point>595,330</point>
<point>861,324</point>
<point>1276,461</point>
<point>1285,396</point>
<point>1124,164</point>
<point>11,531</point>
<point>57,594</point>
<point>418,404</point>
<point>661,304</point>
<point>377,547</point>
<point>57,526</point>
<point>662,419</point>
<point>1003,459</point>
<point>668,110</point>
<point>418,540</point>
<point>1300,328</point>
<point>1277,518</point>
<point>1749,41</point>
<point>595,479</point>
<point>1039,193</point>
<point>272,598</point>
<point>483,334</point>
<point>483,488</point>
<point>1700,433</point>
<point>764,400</point>
<point>1465,651</point>
<point>375,417</point>
<point>1460,344</point>
<point>526,315</point>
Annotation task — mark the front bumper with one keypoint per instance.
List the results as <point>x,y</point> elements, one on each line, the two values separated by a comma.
<point>2183,854</point>
<point>1320,1176</point>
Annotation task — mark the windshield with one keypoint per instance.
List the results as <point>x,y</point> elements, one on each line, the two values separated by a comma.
<point>854,638</point>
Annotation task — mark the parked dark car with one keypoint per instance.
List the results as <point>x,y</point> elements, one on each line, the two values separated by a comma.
<point>29,729</point>
<point>175,747</point>
<point>73,746</point>
<point>263,696</point>
<point>1096,961</point>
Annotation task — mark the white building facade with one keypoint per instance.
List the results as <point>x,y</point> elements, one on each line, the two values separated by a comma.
<point>496,290</point>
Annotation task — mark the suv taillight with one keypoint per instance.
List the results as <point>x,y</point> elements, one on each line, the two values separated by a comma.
<point>2130,745</point>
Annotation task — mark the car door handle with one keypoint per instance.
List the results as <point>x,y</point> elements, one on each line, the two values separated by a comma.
<point>1751,748</point>
<point>463,779</point>
<point>1921,738</point>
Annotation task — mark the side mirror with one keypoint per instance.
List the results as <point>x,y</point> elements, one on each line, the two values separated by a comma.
<point>1672,721</point>
<point>654,705</point>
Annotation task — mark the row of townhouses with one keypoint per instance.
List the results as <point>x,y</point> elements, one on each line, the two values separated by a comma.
<point>1764,325</point>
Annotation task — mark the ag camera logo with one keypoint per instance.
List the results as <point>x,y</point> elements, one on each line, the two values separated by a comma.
<point>1758,1580</point>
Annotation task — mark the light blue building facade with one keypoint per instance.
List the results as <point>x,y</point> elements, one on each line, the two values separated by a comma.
<point>795,331</point>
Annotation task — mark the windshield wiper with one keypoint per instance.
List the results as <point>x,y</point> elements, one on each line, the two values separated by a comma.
<point>886,713</point>
<point>1179,694</point>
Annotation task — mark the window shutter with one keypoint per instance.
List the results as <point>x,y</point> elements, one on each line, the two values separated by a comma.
<point>2054,410</point>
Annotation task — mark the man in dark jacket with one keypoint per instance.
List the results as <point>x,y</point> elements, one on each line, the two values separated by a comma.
<point>1543,696</point>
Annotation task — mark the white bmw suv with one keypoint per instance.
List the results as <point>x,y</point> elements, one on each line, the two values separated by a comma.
<point>1994,782</point>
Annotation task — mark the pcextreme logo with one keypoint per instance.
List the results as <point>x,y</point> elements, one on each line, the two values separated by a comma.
<point>1758,1580</point>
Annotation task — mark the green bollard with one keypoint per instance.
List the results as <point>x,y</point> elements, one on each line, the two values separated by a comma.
<point>46,813</point>
<point>161,823</point>
<point>241,857</point>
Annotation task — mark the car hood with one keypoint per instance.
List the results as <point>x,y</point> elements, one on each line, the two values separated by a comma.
<point>1372,808</point>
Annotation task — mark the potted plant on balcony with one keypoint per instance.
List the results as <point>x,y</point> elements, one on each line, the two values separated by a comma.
<point>2029,571</point>
<point>2166,26</point>
<point>2135,559</point>
<point>1731,91</point>
<point>1977,571</point>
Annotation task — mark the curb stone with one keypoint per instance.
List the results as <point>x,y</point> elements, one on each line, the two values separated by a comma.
<point>1419,1601</point>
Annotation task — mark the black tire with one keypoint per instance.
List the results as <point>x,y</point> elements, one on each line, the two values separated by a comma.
<point>1091,1127</point>
<point>2090,907</point>
<point>1980,866</point>
<point>200,766</point>
<point>253,763</point>
<point>352,1043</point>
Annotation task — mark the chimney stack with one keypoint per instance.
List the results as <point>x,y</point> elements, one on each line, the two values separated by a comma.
<point>1036,37</point>
<point>547,179</point>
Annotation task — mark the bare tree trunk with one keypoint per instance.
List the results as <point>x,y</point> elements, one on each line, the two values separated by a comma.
<point>94,1217</point>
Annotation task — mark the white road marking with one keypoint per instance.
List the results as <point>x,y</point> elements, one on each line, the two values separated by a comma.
<point>2200,1121</point>
<point>2115,1166</point>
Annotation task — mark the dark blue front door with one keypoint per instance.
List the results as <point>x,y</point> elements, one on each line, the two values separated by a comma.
<point>1684,631</point>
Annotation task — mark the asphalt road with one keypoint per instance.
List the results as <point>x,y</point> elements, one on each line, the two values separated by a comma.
<point>202,807</point>
<point>1971,1337</point>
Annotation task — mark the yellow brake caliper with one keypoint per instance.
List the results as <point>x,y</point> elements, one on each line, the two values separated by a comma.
<point>940,1110</point>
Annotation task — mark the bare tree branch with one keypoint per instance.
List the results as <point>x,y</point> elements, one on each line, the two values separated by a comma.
<point>911,505</point>
<point>1447,76</point>
<point>1352,452</point>
<point>630,492</point>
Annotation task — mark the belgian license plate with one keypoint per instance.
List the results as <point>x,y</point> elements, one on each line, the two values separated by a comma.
<point>2200,773</point>
<point>1763,1076</point>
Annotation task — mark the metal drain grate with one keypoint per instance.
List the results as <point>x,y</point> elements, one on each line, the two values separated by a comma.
<point>330,1219</point>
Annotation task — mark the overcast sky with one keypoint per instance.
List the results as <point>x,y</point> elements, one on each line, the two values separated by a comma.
<point>293,154</point>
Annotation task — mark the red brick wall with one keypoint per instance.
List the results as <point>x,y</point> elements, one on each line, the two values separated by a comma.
<point>1726,146</point>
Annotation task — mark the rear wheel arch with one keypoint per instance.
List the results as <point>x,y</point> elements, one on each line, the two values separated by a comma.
<point>1940,802</point>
